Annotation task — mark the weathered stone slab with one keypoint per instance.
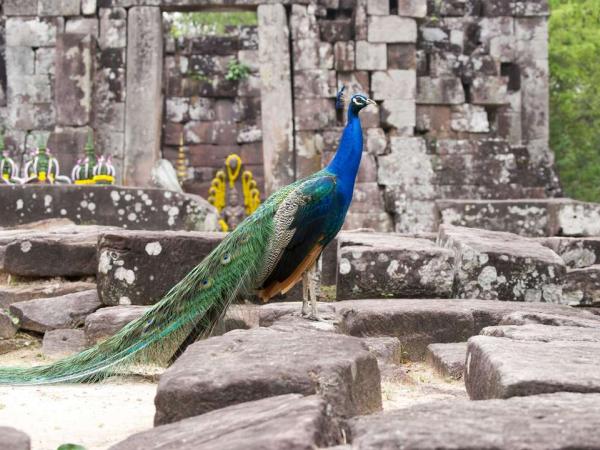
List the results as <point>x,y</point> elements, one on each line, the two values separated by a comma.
<point>539,422</point>
<point>8,327</point>
<point>229,369</point>
<point>503,368</point>
<point>43,289</point>
<point>12,439</point>
<point>582,286</point>
<point>31,32</point>
<point>63,342</point>
<point>286,421</point>
<point>392,29</point>
<point>107,321</point>
<point>420,322</point>
<point>143,109</point>
<point>371,56</point>
<point>374,265</point>
<point>575,252</point>
<point>66,311</point>
<point>575,218</point>
<point>150,209</point>
<point>544,333</point>
<point>53,255</point>
<point>394,84</point>
<point>131,263</point>
<point>448,360</point>
<point>586,319</point>
<point>276,96</point>
<point>503,266</point>
<point>440,91</point>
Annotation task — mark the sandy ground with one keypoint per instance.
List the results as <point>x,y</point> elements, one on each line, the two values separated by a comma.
<point>93,415</point>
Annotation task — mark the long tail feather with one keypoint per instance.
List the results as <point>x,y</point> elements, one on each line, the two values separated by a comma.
<point>191,306</point>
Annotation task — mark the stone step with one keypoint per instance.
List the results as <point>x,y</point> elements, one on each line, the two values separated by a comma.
<point>379,265</point>
<point>420,322</point>
<point>126,207</point>
<point>527,217</point>
<point>285,421</point>
<point>107,321</point>
<point>503,266</point>
<point>245,365</point>
<point>66,311</point>
<point>41,289</point>
<point>540,422</point>
<point>68,252</point>
<point>543,333</point>
<point>582,286</point>
<point>448,360</point>
<point>502,368</point>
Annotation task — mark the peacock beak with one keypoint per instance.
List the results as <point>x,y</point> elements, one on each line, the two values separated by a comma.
<point>371,102</point>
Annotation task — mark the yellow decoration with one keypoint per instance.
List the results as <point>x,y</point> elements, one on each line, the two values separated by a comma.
<point>42,176</point>
<point>84,181</point>
<point>235,171</point>
<point>109,178</point>
<point>216,193</point>
<point>181,162</point>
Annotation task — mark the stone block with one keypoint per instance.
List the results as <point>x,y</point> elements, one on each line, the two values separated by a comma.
<point>402,56</point>
<point>106,322</point>
<point>440,91</point>
<point>503,266</point>
<point>339,368</point>
<point>360,20</point>
<point>335,30</point>
<point>113,28</point>
<point>314,114</point>
<point>394,84</point>
<point>357,81</point>
<point>31,32</point>
<point>129,263</point>
<point>407,164</point>
<point>19,62</point>
<point>30,89</point>
<point>290,421</point>
<point>8,326</point>
<point>131,208</point>
<point>143,110</point>
<point>378,7</point>
<point>582,286</point>
<point>44,60</point>
<point>448,360</point>
<point>469,118</point>
<point>373,265</point>
<point>88,7</point>
<point>399,114</point>
<point>412,8</point>
<point>435,119</point>
<point>325,55</point>
<point>315,83</point>
<point>66,311</point>
<point>420,322</point>
<point>575,218</point>
<point>379,222</point>
<point>73,79</point>
<point>453,8</point>
<point>489,91</point>
<point>344,56</point>
<point>575,252</point>
<point>392,29</point>
<point>82,26</point>
<point>64,342</point>
<point>543,333</point>
<point>177,109</point>
<point>538,422</point>
<point>53,254</point>
<point>371,56</point>
<point>276,95</point>
<point>58,7</point>
<point>20,7</point>
<point>201,108</point>
<point>40,289</point>
<point>376,141</point>
<point>586,320</point>
<point>527,217</point>
<point>504,368</point>
<point>13,439</point>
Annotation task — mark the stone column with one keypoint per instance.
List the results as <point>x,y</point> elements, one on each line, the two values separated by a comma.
<point>143,110</point>
<point>276,96</point>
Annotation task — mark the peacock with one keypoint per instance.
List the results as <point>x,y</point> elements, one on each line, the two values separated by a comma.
<point>268,253</point>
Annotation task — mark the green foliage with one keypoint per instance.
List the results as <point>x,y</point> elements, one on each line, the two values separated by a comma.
<point>198,75</point>
<point>197,23</point>
<point>237,71</point>
<point>575,95</point>
<point>70,447</point>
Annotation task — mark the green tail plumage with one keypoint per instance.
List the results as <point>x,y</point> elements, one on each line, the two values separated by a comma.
<point>192,306</point>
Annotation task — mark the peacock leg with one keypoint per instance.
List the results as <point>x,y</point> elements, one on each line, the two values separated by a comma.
<point>305,294</point>
<point>313,287</point>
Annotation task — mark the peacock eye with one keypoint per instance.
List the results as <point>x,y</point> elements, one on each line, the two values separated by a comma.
<point>206,283</point>
<point>226,259</point>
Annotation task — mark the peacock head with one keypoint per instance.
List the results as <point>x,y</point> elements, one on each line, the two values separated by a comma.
<point>360,101</point>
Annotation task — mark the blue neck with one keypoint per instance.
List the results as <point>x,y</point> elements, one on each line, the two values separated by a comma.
<point>346,161</point>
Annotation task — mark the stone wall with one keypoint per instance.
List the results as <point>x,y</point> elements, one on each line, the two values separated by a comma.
<point>214,115</point>
<point>462,87</point>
